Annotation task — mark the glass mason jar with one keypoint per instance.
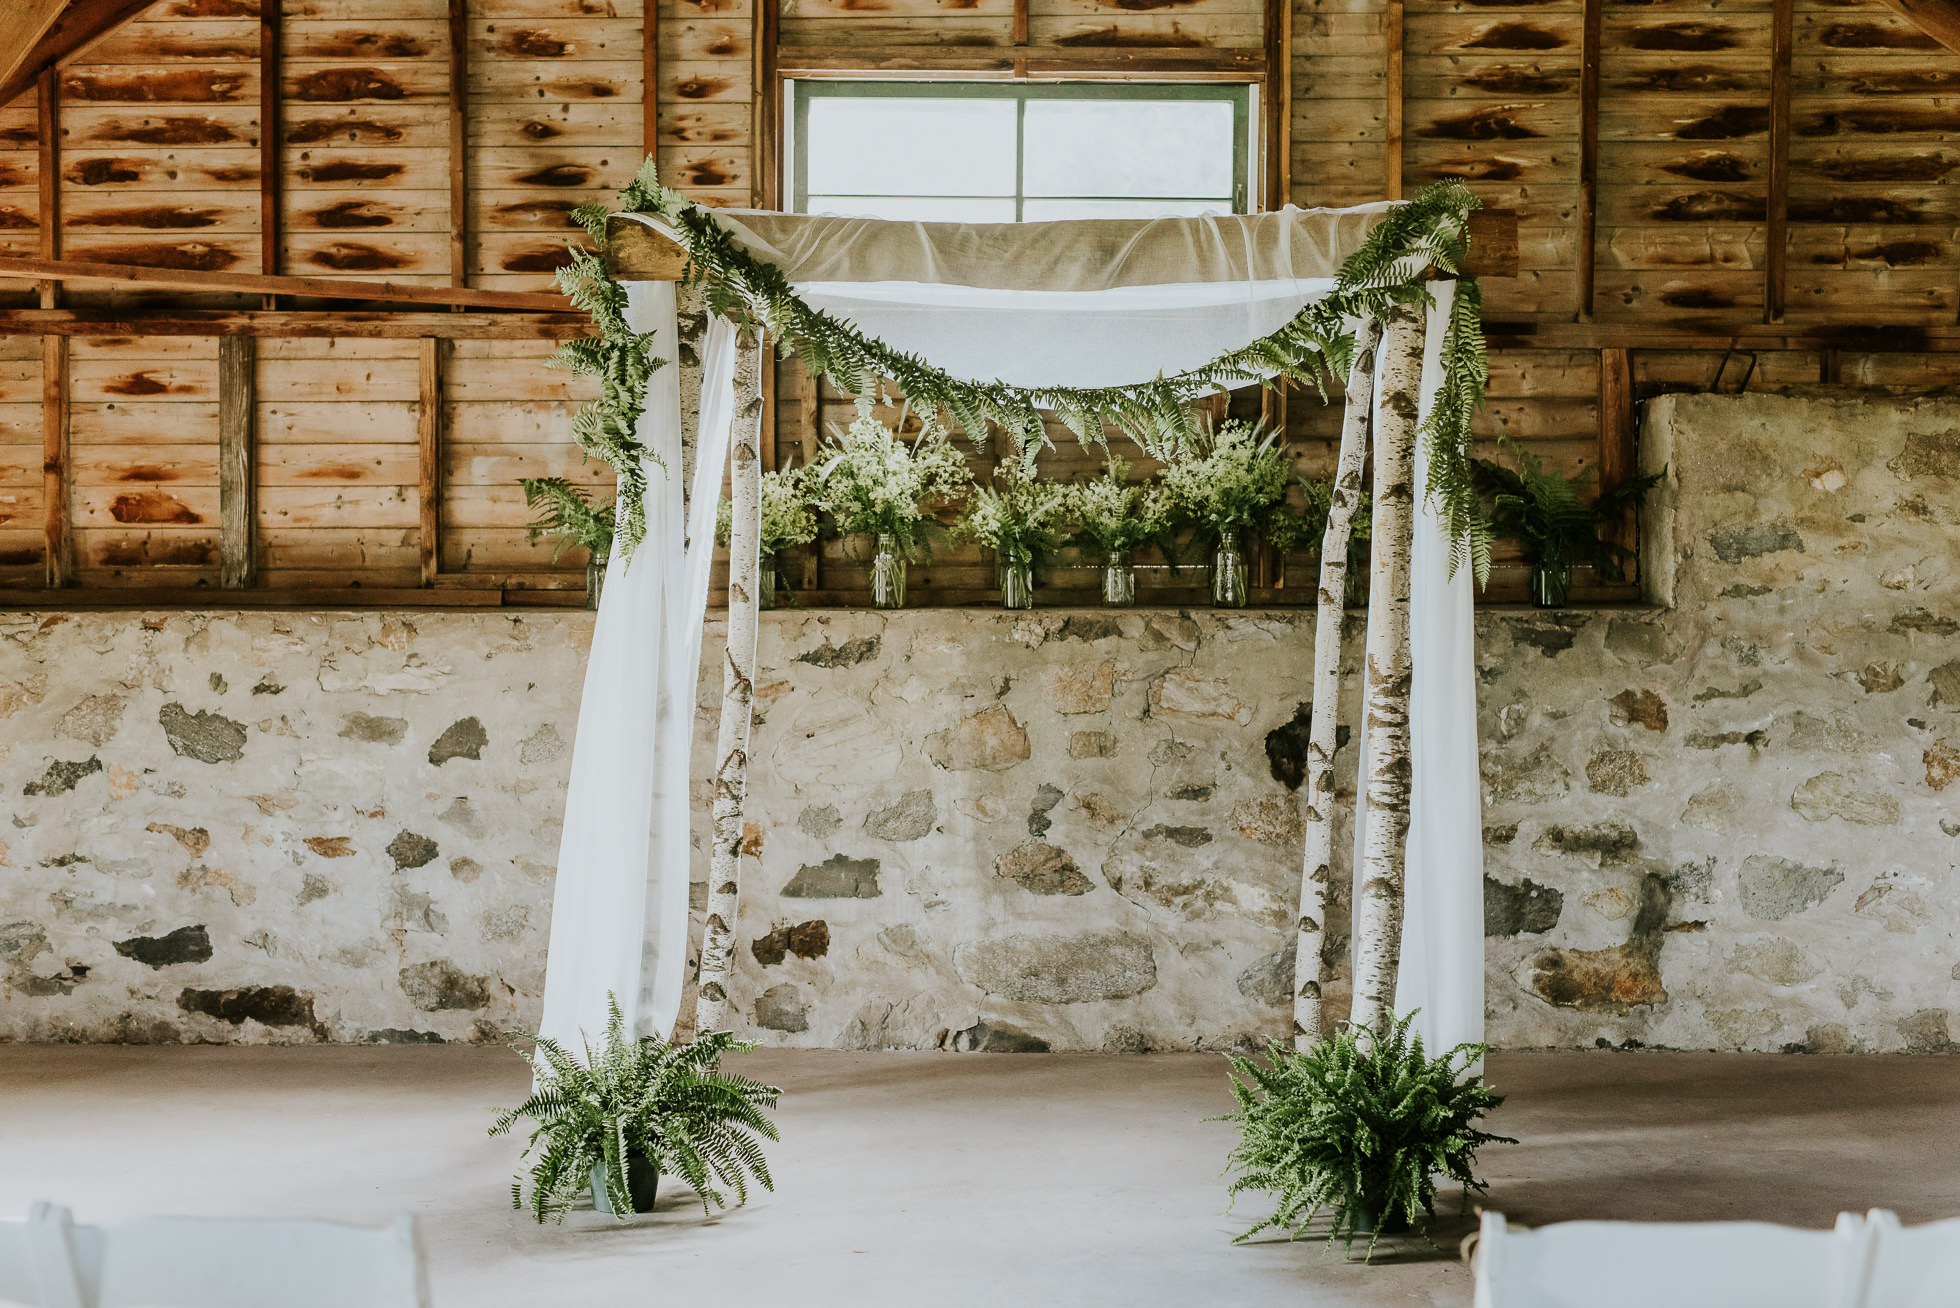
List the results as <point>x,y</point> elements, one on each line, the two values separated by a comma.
<point>595,581</point>
<point>1551,580</point>
<point>1119,582</point>
<point>766,583</point>
<point>1016,581</point>
<point>1228,571</point>
<point>887,574</point>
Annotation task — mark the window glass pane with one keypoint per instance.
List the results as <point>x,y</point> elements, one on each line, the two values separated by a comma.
<point>892,146</point>
<point>915,208</point>
<point>1048,211</point>
<point>1129,148</point>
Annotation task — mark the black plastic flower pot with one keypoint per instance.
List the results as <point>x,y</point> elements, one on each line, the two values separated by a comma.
<point>642,1181</point>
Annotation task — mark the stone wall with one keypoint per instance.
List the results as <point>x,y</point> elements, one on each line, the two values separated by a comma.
<point>1726,824</point>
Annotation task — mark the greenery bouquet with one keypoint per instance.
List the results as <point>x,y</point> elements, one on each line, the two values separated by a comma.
<point>637,1104</point>
<point>1117,517</point>
<point>874,484</point>
<point>1546,512</point>
<point>1360,1126</point>
<point>1226,479</point>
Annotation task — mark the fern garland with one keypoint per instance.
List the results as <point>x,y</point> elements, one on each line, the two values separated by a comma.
<point>1313,348</point>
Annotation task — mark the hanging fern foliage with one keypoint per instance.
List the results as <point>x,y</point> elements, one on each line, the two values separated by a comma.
<point>1312,349</point>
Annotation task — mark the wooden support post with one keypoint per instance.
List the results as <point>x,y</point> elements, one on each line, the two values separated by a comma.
<point>1392,105</point>
<point>1776,233</point>
<point>650,81</point>
<point>1385,711</point>
<point>1274,105</point>
<point>428,433</point>
<point>1323,735</point>
<point>765,159</point>
<point>1588,152</point>
<point>271,169</point>
<point>237,462</point>
<point>809,432</point>
<point>1020,29</point>
<point>737,692</point>
<point>54,460</point>
<point>47,103</point>
<point>1616,435</point>
<point>459,150</point>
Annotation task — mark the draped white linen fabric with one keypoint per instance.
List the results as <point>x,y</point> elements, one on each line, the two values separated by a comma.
<point>1077,304</point>
<point>1442,967</point>
<point>619,908</point>
<point>1105,302</point>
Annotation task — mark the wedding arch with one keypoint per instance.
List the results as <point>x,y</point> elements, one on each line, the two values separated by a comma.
<point>1129,322</point>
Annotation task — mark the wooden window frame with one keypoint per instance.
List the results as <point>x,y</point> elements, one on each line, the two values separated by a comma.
<point>1241,95</point>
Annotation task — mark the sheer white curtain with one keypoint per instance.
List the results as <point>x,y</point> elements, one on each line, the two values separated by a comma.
<point>1068,304</point>
<point>619,908</point>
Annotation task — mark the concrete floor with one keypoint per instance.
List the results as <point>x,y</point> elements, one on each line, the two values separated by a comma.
<point>949,1179</point>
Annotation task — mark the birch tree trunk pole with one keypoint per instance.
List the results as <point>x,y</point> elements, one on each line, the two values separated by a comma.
<point>737,691</point>
<point>1317,867</point>
<point>1378,893</point>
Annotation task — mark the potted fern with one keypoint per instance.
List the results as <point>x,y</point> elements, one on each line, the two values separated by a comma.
<point>566,512</point>
<point>632,1110</point>
<point>1117,518</point>
<point>1020,522</point>
<point>1546,513</point>
<point>1225,481</point>
<point>1359,1126</point>
<point>787,520</point>
<point>876,486</point>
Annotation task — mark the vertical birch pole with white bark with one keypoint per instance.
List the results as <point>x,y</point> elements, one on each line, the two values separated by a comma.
<point>1317,867</point>
<point>1378,889</point>
<point>737,690</point>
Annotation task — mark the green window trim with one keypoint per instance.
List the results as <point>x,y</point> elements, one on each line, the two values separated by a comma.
<point>801,91</point>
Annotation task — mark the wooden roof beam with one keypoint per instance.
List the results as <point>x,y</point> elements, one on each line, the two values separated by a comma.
<point>323,288</point>
<point>38,34</point>
<point>1939,19</point>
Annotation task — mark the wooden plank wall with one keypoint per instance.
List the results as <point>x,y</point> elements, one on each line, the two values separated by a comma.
<point>1679,167</point>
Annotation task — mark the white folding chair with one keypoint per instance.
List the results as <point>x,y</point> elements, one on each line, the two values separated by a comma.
<point>198,1262</point>
<point>1668,1265</point>
<point>1910,1267</point>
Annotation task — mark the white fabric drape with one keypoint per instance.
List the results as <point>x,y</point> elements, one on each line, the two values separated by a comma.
<point>619,908</point>
<point>1442,967</point>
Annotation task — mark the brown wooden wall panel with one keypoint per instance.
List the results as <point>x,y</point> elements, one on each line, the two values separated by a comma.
<point>22,542</point>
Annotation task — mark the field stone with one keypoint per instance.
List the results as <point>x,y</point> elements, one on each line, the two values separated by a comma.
<point>1776,888</point>
<point>1051,968</point>
<point>837,877</point>
<point>464,738</point>
<point>1775,960</point>
<point>94,720</point>
<point>1270,980</point>
<point>205,736</point>
<point>1079,689</point>
<point>1043,869</point>
<point>910,818</point>
<point>62,777</point>
<point>1524,909</point>
<point>1942,765</point>
<point>189,944</point>
<point>1833,794</point>
<point>439,985</point>
<point>374,731</point>
<point>270,1005</point>
<point>410,850</point>
<point>987,741</point>
<point>1615,772</point>
<point>781,1008</point>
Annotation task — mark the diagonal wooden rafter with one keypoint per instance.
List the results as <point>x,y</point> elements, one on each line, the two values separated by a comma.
<point>1939,19</point>
<point>38,34</point>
